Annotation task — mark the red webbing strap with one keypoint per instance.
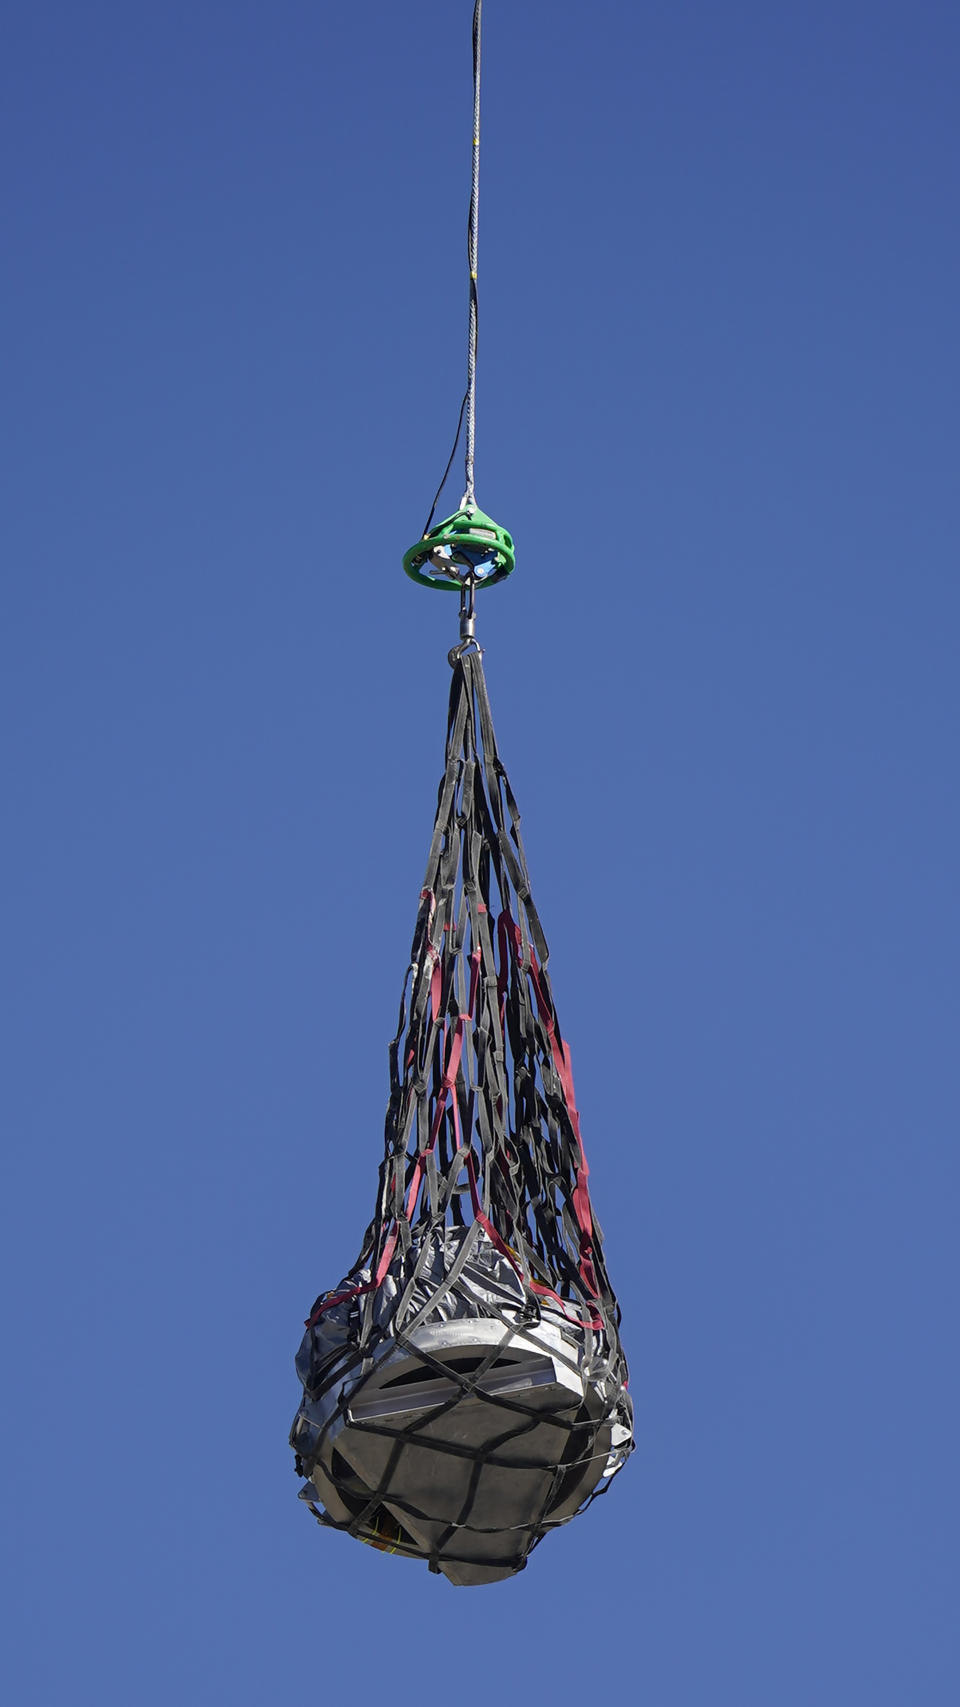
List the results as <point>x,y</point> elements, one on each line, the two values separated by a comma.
<point>510,932</point>
<point>481,1068</point>
<point>484,1183</point>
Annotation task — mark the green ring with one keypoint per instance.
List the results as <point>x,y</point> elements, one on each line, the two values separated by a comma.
<point>461,529</point>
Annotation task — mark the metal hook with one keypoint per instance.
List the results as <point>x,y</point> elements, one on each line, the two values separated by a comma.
<point>468,621</point>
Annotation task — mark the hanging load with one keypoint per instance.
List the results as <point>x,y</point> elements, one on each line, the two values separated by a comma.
<point>464,1387</point>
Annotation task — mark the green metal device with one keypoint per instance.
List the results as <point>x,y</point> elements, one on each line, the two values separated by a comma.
<point>469,545</point>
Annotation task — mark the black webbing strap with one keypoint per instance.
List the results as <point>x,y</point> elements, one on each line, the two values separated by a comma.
<point>482,1142</point>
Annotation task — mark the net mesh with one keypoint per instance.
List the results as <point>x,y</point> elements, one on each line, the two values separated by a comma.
<point>464,1386</point>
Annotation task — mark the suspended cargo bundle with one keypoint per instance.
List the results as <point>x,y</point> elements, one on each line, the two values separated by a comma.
<point>464,1386</point>
<point>464,1389</point>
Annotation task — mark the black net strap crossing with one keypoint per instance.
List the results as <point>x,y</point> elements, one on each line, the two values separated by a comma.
<point>482,1120</point>
<point>465,1388</point>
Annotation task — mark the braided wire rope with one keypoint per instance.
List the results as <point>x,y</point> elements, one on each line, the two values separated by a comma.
<point>468,405</point>
<point>473,233</point>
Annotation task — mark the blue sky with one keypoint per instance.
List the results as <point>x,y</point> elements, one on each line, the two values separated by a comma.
<point>717,410</point>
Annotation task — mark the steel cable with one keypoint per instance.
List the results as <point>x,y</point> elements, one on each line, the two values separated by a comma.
<point>468,408</point>
<point>472,247</point>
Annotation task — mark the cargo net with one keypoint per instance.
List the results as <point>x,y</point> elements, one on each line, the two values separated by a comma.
<point>464,1386</point>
